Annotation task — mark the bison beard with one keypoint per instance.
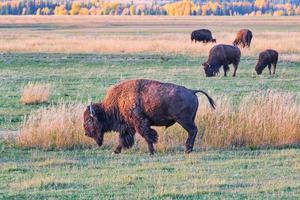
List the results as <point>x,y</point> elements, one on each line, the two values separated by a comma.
<point>136,105</point>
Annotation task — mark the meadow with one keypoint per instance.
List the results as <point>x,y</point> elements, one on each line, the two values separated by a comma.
<point>79,58</point>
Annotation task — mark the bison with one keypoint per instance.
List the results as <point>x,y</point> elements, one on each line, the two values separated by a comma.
<point>244,37</point>
<point>219,55</point>
<point>202,35</point>
<point>136,105</point>
<point>268,57</point>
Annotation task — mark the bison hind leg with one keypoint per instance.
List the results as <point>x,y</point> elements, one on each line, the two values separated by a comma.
<point>192,130</point>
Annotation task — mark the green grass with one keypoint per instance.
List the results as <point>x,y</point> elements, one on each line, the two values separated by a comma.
<point>95,173</point>
<point>76,77</point>
<point>88,174</point>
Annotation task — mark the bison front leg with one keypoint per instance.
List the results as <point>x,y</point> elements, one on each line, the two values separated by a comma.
<point>274,68</point>
<point>235,66</point>
<point>150,136</point>
<point>126,140</point>
<point>143,127</point>
<point>225,69</point>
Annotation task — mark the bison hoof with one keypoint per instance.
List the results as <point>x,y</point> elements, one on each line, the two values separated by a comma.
<point>116,152</point>
<point>151,153</point>
<point>188,150</point>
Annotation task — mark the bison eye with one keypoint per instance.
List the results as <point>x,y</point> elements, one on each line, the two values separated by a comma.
<point>89,122</point>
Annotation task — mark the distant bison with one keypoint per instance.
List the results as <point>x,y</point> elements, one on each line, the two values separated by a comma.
<point>219,55</point>
<point>136,105</point>
<point>265,58</point>
<point>244,37</point>
<point>202,35</point>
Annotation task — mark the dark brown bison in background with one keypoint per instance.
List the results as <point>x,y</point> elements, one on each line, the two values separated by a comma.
<point>244,37</point>
<point>202,35</point>
<point>136,105</point>
<point>265,58</point>
<point>219,55</point>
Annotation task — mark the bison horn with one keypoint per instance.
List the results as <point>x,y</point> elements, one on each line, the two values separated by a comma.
<point>92,111</point>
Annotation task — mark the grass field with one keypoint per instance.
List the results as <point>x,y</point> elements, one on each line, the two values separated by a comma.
<point>76,77</point>
<point>80,57</point>
<point>89,174</point>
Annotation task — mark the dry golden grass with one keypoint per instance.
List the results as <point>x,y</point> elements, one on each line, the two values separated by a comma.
<point>119,34</point>
<point>35,93</point>
<point>261,119</point>
<point>54,127</point>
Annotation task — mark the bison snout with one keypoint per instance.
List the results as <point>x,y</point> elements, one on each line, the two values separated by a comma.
<point>210,74</point>
<point>99,141</point>
<point>258,72</point>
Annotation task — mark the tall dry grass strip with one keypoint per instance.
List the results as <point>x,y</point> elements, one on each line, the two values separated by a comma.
<point>54,127</point>
<point>134,34</point>
<point>36,93</point>
<point>261,119</point>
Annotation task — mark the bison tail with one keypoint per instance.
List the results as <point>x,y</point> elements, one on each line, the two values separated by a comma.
<point>211,101</point>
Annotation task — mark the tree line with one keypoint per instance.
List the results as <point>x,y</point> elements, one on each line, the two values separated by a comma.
<point>174,8</point>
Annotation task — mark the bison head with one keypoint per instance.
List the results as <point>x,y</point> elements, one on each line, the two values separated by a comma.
<point>209,69</point>
<point>213,40</point>
<point>93,125</point>
<point>258,69</point>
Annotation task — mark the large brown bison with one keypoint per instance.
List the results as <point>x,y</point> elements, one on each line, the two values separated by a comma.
<point>202,35</point>
<point>268,57</point>
<point>243,37</point>
<point>219,55</point>
<point>136,105</point>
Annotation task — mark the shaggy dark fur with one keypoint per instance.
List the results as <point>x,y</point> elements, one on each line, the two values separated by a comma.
<point>136,105</point>
<point>243,37</point>
<point>219,55</point>
<point>268,57</point>
<point>202,35</point>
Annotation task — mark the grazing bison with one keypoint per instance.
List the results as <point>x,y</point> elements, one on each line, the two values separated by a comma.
<point>136,105</point>
<point>244,37</point>
<point>265,58</point>
<point>219,55</point>
<point>202,35</point>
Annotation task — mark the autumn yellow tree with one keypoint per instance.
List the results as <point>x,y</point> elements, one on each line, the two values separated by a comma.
<point>278,13</point>
<point>84,11</point>
<point>132,10</point>
<point>297,10</point>
<point>93,10</point>
<point>45,11</point>
<point>261,3</point>
<point>75,8</point>
<point>60,10</point>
